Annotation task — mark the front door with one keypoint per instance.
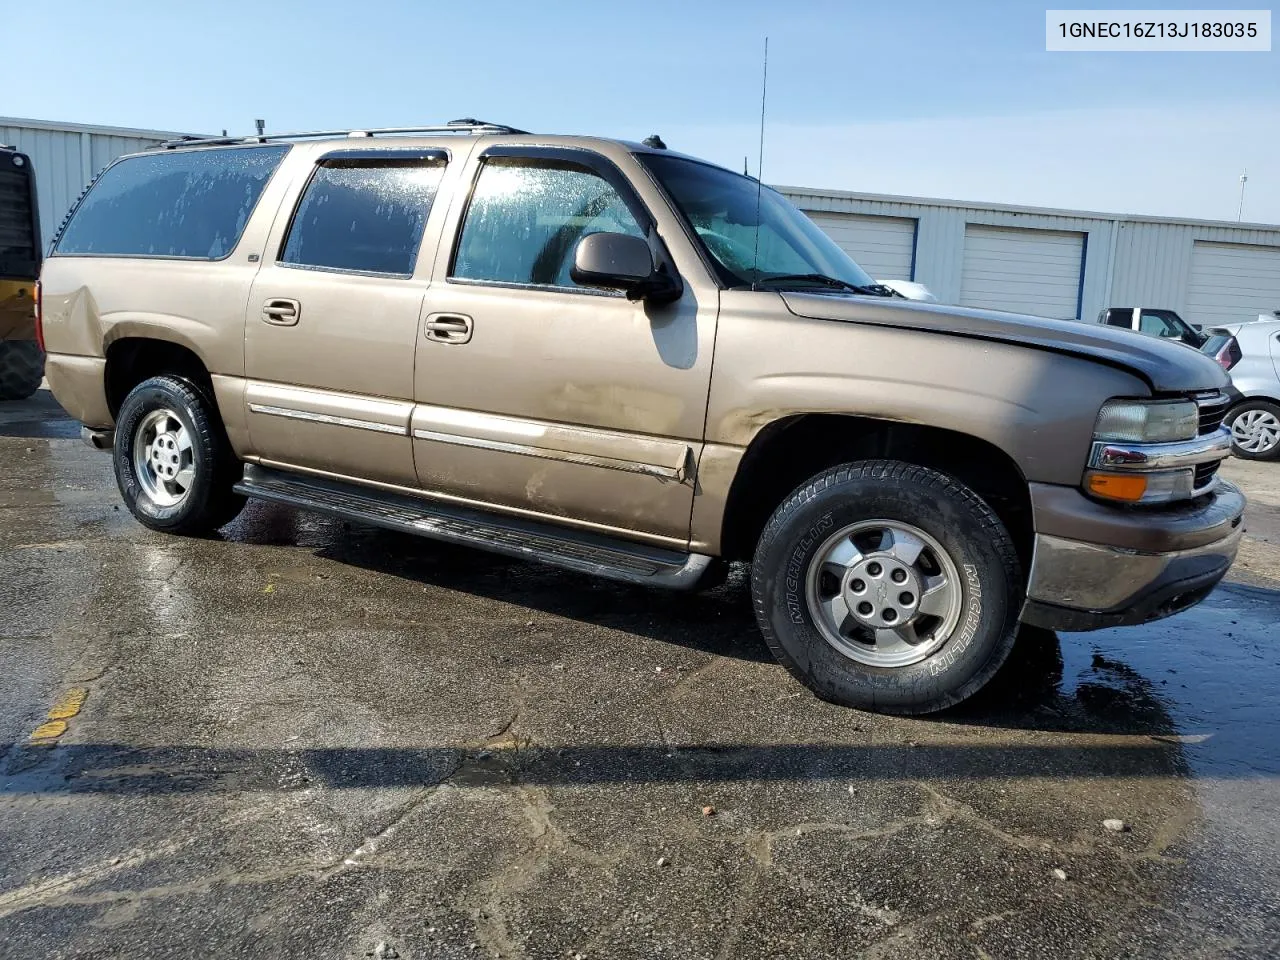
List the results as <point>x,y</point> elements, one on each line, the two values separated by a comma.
<point>545,397</point>
<point>333,318</point>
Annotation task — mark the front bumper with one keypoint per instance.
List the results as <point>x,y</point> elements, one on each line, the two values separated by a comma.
<point>1135,566</point>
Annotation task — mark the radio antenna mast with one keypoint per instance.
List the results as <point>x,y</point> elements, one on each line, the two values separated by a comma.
<point>764,92</point>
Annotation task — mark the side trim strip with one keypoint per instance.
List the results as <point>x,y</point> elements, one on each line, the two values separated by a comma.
<point>273,411</point>
<point>678,474</point>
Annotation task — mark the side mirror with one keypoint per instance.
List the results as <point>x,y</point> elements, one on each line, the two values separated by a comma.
<point>622,262</point>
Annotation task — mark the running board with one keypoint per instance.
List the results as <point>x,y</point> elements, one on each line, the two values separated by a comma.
<point>584,552</point>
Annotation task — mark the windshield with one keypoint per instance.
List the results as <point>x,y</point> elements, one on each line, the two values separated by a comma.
<point>721,207</point>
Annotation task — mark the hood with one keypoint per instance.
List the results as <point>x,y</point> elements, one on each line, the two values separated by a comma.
<point>1168,367</point>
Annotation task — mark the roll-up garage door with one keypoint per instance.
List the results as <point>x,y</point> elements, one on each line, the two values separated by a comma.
<point>1232,282</point>
<point>1026,271</point>
<point>882,246</point>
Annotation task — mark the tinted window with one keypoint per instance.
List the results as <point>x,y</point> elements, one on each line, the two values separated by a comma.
<point>1120,317</point>
<point>186,203</point>
<point>19,248</point>
<point>526,218</point>
<point>363,216</point>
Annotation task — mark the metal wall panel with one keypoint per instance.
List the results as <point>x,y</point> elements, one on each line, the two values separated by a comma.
<point>1232,282</point>
<point>66,157</point>
<point>1021,270</point>
<point>882,246</point>
<point>1129,261</point>
<point>1152,263</point>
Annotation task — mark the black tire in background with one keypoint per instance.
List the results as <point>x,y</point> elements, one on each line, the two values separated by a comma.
<point>21,368</point>
<point>1263,413</point>
<point>990,585</point>
<point>209,501</point>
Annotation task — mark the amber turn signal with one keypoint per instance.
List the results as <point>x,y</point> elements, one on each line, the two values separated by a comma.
<point>1118,486</point>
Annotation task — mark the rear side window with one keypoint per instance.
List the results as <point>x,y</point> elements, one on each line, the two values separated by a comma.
<point>365,217</point>
<point>192,204</point>
<point>1120,318</point>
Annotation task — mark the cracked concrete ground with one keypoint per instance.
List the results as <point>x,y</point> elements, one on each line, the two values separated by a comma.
<point>311,739</point>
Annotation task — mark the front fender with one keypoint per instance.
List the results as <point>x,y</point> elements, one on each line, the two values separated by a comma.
<point>1037,406</point>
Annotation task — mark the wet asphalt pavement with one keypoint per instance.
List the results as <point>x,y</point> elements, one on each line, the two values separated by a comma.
<point>311,739</point>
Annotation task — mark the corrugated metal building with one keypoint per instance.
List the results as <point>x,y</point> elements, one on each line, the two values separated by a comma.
<point>66,156</point>
<point>1056,263</point>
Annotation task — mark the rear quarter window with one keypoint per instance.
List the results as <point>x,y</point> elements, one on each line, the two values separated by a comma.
<point>192,204</point>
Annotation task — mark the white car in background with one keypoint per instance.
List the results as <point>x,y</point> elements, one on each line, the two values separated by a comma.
<point>1250,352</point>
<point>910,290</point>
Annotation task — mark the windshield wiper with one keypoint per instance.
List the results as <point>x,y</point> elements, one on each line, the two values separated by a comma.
<point>867,289</point>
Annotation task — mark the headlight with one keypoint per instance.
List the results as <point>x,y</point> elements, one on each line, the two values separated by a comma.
<point>1151,451</point>
<point>1137,421</point>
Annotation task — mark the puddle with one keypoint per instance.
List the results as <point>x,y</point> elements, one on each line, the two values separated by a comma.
<point>1212,673</point>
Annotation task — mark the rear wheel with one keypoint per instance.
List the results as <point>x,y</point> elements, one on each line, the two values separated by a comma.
<point>173,463</point>
<point>21,368</point>
<point>1255,430</point>
<point>887,586</point>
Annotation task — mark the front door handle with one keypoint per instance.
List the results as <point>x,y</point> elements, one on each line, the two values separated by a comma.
<point>281,312</point>
<point>448,328</point>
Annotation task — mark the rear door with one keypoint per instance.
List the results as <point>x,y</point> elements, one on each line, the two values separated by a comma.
<point>332,318</point>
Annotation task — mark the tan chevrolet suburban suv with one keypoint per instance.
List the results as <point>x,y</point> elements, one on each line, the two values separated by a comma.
<point>628,362</point>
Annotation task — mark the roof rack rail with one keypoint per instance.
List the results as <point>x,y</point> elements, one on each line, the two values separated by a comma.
<point>467,125</point>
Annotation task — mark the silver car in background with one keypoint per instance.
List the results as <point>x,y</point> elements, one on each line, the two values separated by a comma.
<point>1255,419</point>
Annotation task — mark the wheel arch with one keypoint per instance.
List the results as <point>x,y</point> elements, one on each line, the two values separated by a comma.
<point>133,359</point>
<point>1249,397</point>
<point>788,451</point>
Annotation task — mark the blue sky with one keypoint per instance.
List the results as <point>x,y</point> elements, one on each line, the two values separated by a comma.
<point>946,99</point>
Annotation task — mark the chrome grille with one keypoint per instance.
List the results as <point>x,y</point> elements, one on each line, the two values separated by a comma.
<point>1213,407</point>
<point>1205,473</point>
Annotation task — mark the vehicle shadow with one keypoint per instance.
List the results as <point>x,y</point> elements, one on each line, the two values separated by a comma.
<point>127,768</point>
<point>39,416</point>
<point>718,621</point>
<point>1029,692</point>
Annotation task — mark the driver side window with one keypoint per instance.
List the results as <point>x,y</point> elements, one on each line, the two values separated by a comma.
<point>526,217</point>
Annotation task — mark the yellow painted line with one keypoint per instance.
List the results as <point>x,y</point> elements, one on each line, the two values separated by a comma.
<point>69,705</point>
<point>49,730</point>
<point>55,724</point>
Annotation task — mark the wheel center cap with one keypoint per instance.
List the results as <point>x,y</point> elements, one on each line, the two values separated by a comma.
<point>882,592</point>
<point>163,452</point>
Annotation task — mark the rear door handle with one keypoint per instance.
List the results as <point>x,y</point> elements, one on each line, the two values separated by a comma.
<point>281,312</point>
<point>448,328</point>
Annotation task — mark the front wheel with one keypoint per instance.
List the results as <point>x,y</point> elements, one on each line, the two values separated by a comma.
<point>887,586</point>
<point>173,463</point>
<point>1255,430</point>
